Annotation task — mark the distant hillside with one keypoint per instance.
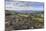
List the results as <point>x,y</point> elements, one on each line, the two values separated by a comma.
<point>23,11</point>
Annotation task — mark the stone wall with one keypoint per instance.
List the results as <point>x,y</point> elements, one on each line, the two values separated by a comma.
<point>22,22</point>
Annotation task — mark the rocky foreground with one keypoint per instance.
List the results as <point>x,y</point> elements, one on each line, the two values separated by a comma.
<point>22,22</point>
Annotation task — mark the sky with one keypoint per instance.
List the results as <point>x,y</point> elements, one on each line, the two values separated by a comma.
<point>23,5</point>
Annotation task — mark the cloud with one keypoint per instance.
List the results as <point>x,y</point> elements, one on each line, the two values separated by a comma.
<point>24,5</point>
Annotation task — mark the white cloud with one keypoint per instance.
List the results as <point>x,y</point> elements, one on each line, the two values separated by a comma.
<point>21,6</point>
